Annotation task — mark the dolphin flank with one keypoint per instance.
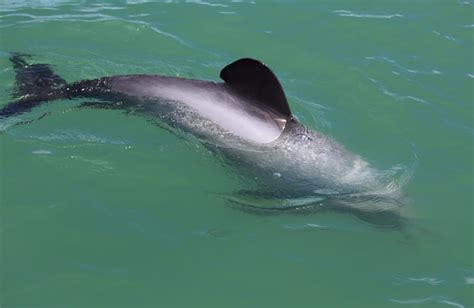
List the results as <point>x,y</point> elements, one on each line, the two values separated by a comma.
<point>247,118</point>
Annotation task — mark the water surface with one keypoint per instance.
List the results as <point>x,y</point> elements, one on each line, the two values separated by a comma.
<point>100,208</point>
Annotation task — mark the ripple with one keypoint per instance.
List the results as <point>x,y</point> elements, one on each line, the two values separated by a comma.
<point>97,164</point>
<point>448,37</point>
<point>411,301</point>
<point>212,232</point>
<point>139,15</point>
<point>100,7</point>
<point>385,59</point>
<point>460,126</point>
<point>100,269</point>
<point>97,9</point>
<point>161,32</point>
<point>93,17</point>
<point>463,2</point>
<point>206,3</point>
<point>424,280</point>
<point>396,96</point>
<point>61,17</point>
<point>425,300</point>
<point>6,123</point>
<point>450,303</point>
<point>346,13</point>
<point>41,152</point>
<point>75,135</point>
<point>307,226</point>
<point>138,1</point>
<point>10,6</point>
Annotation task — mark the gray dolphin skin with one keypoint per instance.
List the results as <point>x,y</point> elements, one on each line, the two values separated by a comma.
<point>247,119</point>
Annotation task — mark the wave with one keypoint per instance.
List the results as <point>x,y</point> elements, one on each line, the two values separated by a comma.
<point>91,18</point>
<point>386,59</point>
<point>396,96</point>
<point>428,300</point>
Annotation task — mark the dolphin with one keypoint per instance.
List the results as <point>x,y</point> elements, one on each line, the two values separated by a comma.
<point>247,118</point>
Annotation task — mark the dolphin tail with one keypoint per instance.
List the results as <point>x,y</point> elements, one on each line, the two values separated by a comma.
<point>34,78</point>
<point>35,84</point>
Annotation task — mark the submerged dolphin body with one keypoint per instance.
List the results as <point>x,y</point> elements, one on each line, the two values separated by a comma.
<point>248,119</point>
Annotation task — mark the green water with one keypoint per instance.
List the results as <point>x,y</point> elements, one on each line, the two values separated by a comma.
<point>100,208</point>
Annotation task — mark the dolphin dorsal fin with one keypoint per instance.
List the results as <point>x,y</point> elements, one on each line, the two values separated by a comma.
<point>253,79</point>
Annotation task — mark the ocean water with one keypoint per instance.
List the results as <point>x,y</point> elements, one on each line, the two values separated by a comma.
<point>104,209</point>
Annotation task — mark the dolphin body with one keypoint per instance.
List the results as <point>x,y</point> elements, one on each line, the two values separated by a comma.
<point>246,118</point>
